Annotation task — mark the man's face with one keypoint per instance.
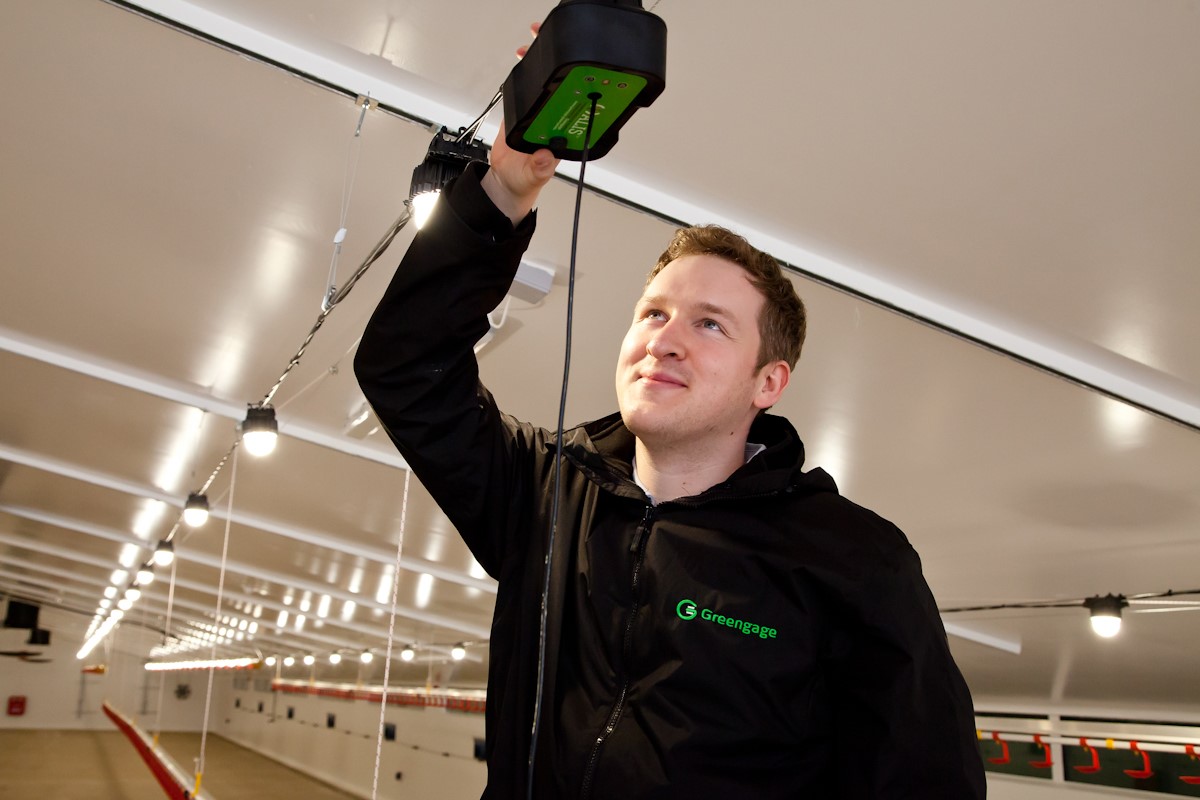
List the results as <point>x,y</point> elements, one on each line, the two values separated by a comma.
<point>686,373</point>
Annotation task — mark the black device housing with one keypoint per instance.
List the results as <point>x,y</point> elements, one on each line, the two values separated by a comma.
<point>612,34</point>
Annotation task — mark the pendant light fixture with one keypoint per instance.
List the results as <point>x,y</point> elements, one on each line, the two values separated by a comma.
<point>260,430</point>
<point>195,510</point>
<point>164,554</point>
<point>447,158</point>
<point>1106,614</point>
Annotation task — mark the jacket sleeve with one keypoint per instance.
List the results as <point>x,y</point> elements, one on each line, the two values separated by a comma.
<point>906,725</point>
<point>416,366</point>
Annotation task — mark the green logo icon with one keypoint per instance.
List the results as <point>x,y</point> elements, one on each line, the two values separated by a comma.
<point>686,609</point>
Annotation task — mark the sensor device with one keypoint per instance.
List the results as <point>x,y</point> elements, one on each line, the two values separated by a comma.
<point>610,51</point>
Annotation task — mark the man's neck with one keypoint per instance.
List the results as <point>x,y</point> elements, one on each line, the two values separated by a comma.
<point>670,473</point>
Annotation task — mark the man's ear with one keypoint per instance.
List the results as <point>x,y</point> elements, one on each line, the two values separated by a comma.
<point>772,380</point>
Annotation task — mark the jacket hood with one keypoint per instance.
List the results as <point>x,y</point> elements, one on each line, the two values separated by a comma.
<point>604,449</point>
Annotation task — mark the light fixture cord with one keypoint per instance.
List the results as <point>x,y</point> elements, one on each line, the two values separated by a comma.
<point>387,661</point>
<point>217,614</point>
<point>562,408</point>
<point>166,638</point>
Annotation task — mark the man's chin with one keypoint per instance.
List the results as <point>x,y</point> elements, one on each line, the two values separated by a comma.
<point>645,423</point>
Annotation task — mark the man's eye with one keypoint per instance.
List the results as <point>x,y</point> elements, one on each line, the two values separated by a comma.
<point>652,313</point>
<point>712,325</point>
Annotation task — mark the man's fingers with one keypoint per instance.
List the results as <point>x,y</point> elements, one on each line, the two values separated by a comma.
<point>534,27</point>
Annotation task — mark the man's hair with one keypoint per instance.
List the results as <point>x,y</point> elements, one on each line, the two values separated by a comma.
<point>783,322</point>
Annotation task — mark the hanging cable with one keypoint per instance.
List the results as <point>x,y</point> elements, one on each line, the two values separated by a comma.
<point>217,614</point>
<point>387,661</point>
<point>562,408</point>
<point>166,638</point>
<point>1066,603</point>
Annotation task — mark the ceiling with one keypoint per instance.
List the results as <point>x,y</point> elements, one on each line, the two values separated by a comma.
<point>990,208</point>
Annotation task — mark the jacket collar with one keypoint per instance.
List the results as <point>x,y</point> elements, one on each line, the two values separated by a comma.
<point>604,449</point>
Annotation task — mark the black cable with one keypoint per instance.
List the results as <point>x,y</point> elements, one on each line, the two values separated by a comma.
<point>471,130</point>
<point>1067,603</point>
<point>562,409</point>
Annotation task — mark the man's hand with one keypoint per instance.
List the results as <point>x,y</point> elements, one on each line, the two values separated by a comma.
<point>516,179</point>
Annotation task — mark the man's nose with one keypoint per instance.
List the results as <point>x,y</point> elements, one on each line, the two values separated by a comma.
<point>666,342</point>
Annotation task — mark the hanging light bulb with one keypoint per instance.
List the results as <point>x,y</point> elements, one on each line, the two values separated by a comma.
<point>195,510</point>
<point>110,592</point>
<point>1106,614</point>
<point>133,594</point>
<point>289,661</point>
<point>408,653</point>
<point>335,658</point>
<point>309,660</point>
<point>145,575</point>
<point>260,430</point>
<point>458,652</point>
<point>164,554</point>
<point>124,604</point>
<point>366,657</point>
<point>105,603</point>
<point>270,661</point>
<point>446,159</point>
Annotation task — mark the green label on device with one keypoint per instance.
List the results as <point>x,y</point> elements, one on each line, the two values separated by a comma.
<point>565,114</point>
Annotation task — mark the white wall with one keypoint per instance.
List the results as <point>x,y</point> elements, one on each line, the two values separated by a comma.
<point>443,766</point>
<point>60,696</point>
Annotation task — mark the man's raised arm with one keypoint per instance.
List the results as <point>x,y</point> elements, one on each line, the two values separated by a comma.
<point>416,364</point>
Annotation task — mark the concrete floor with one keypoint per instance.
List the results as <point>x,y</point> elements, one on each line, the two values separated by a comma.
<point>103,765</point>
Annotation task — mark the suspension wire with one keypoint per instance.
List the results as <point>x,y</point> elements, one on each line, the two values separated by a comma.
<point>387,661</point>
<point>166,638</point>
<point>336,298</point>
<point>562,408</point>
<point>348,177</point>
<point>333,369</point>
<point>217,612</point>
<point>145,612</point>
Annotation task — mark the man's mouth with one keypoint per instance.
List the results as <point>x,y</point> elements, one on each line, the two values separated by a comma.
<point>661,379</point>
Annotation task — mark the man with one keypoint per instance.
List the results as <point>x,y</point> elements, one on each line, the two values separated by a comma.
<point>721,624</point>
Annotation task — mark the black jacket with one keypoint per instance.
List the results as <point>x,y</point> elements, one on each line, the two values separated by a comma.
<point>766,638</point>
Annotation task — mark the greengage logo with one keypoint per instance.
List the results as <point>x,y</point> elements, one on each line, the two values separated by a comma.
<point>688,610</point>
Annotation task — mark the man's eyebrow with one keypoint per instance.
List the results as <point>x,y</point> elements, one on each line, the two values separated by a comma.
<point>711,309</point>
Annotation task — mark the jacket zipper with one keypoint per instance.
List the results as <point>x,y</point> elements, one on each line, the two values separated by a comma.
<point>638,547</point>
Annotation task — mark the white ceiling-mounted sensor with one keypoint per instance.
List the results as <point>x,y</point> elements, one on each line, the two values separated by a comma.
<point>533,281</point>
